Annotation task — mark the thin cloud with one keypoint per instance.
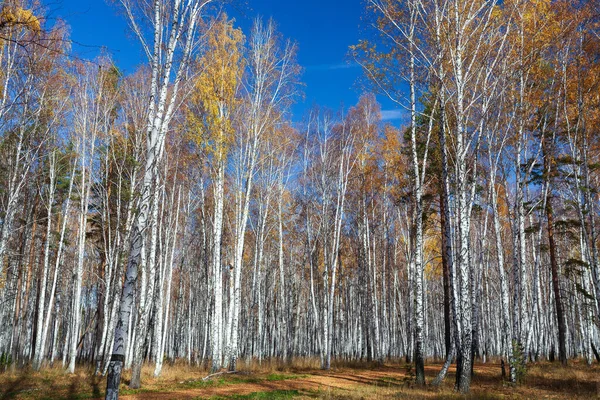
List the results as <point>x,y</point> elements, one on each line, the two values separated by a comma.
<point>393,115</point>
<point>332,67</point>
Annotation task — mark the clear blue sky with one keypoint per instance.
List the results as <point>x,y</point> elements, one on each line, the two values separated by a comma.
<point>323,30</point>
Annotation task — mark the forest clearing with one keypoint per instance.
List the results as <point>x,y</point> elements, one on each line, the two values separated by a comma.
<point>304,380</point>
<point>201,187</point>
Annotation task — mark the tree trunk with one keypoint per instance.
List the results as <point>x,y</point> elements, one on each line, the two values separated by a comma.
<point>562,328</point>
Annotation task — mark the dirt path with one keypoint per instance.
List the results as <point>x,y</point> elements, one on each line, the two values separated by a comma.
<point>307,385</point>
<point>544,381</point>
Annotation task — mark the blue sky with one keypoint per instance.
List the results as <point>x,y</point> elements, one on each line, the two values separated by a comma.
<point>323,30</point>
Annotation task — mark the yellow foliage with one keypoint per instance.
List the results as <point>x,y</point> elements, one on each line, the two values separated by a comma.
<point>216,88</point>
<point>17,16</point>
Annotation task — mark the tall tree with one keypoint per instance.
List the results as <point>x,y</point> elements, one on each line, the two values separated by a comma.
<point>217,90</point>
<point>174,26</point>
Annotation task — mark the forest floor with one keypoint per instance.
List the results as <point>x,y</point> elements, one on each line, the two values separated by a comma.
<point>359,381</point>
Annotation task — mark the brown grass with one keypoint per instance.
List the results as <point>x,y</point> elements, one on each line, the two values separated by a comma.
<point>303,380</point>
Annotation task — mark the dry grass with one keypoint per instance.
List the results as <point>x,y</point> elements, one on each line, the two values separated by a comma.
<point>302,379</point>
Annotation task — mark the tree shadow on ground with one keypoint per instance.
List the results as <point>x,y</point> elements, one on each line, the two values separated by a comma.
<point>15,386</point>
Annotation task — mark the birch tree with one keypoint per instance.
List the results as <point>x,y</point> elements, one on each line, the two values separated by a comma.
<point>174,26</point>
<point>216,94</point>
<point>465,230</point>
<point>270,89</point>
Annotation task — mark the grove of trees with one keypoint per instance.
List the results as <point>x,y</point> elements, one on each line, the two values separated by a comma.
<point>182,212</point>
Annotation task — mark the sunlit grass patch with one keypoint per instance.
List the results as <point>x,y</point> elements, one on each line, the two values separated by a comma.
<point>274,395</point>
<point>283,377</point>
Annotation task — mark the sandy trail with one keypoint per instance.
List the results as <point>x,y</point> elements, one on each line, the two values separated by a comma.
<point>306,384</point>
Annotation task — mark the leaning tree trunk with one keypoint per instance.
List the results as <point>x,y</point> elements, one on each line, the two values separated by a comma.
<point>117,361</point>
